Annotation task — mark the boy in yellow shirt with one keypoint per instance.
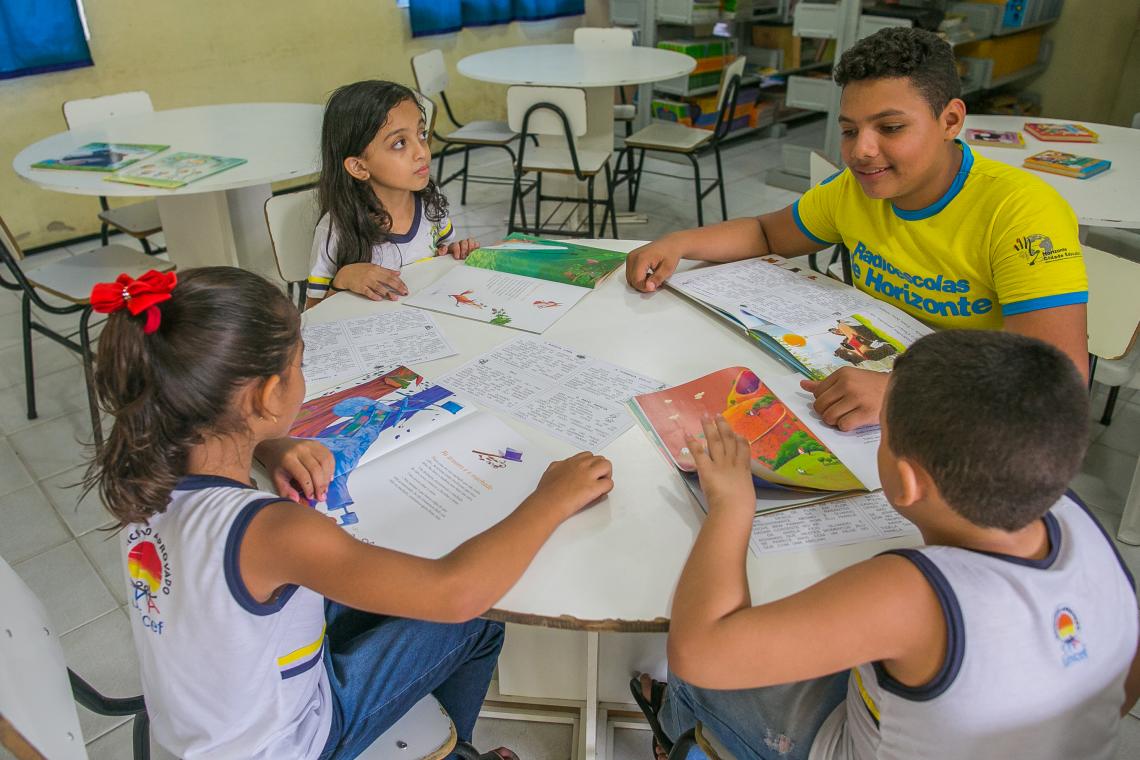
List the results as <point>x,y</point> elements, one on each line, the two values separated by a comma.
<point>952,238</point>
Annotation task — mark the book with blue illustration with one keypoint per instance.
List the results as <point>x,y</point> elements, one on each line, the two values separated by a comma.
<point>101,157</point>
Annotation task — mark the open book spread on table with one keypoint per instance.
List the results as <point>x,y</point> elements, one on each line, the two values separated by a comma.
<point>810,322</point>
<point>101,157</point>
<point>1067,164</point>
<point>792,449</point>
<point>554,260</point>
<point>418,469</point>
<point>851,520</point>
<point>175,170</point>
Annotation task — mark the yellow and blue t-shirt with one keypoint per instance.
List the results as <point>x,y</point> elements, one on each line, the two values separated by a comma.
<point>999,242</point>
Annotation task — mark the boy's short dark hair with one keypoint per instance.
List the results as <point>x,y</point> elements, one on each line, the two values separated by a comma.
<point>916,54</point>
<point>999,420</point>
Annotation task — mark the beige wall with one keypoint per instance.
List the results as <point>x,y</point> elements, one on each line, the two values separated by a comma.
<point>1092,66</point>
<point>220,51</point>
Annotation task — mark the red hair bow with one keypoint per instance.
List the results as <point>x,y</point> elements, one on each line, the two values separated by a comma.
<point>137,296</point>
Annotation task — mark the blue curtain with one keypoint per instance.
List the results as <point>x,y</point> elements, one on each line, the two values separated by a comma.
<point>444,16</point>
<point>40,35</point>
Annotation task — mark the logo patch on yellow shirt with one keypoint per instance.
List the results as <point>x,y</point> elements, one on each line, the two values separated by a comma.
<point>1036,249</point>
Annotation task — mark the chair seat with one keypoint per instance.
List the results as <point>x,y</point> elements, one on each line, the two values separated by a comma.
<point>540,159</point>
<point>424,732</point>
<point>663,135</point>
<point>73,277</point>
<point>482,133</point>
<point>625,112</point>
<point>137,220</point>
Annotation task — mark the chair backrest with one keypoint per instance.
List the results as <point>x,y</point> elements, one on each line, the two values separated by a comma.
<point>734,69</point>
<point>429,111</point>
<point>80,113</point>
<point>820,168</point>
<point>602,37</point>
<point>291,218</point>
<point>545,121</point>
<point>1113,309</point>
<point>8,242</point>
<point>35,695</point>
<point>430,72</point>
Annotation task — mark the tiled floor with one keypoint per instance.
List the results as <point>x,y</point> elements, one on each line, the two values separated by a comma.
<point>53,539</point>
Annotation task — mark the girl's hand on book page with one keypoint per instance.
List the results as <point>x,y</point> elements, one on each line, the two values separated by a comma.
<point>459,249</point>
<point>650,265</point>
<point>849,397</point>
<point>722,461</point>
<point>371,281</point>
<point>573,484</point>
<point>301,469</point>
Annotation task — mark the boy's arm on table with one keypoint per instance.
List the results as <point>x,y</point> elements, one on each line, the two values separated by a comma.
<point>1065,327</point>
<point>651,264</point>
<point>881,609</point>
<point>287,543</point>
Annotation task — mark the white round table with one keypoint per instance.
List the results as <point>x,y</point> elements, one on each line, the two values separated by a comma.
<point>1109,199</point>
<point>218,219</point>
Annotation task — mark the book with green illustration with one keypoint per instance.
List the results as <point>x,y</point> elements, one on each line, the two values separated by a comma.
<point>555,260</point>
<point>101,157</point>
<point>175,170</point>
<point>796,459</point>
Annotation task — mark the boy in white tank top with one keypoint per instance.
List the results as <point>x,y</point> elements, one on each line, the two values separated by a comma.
<point>1012,633</point>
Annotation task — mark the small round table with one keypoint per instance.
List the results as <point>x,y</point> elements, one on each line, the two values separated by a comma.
<point>218,219</point>
<point>1105,200</point>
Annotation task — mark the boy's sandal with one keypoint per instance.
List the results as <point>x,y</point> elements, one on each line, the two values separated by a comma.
<point>501,753</point>
<point>650,709</point>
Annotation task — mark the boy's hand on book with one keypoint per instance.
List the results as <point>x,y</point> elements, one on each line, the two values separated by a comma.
<point>459,249</point>
<point>849,397</point>
<point>573,484</point>
<point>722,461</point>
<point>649,266</point>
<point>371,281</point>
<point>301,469</point>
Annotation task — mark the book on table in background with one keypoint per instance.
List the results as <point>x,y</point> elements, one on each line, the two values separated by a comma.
<point>796,459</point>
<point>524,282</point>
<point>810,322</point>
<point>1066,164</point>
<point>101,157</point>
<point>418,469</point>
<point>994,138</point>
<point>1061,132</point>
<point>175,170</point>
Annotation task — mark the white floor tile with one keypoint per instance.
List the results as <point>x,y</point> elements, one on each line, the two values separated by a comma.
<point>9,303</point>
<point>81,515</point>
<point>54,446</point>
<point>57,394</point>
<point>13,474</point>
<point>103,654</point>
<point>1130,554</point>
<point>116,744</point>
<point>47,357</point>
<point>1105,478</point>
<point>1124,432</point>
<point>1129,747</point>
<point>549,741</point>
<point>66,584</point>
<point>30,525</point>
<point>102,549</point>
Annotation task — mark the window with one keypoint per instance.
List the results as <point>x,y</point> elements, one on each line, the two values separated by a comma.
<point>444,16</point>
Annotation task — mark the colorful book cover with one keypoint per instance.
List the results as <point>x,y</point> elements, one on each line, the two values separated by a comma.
<point>555,260</point>
<point>101,157</point>
<point>994,139</point>
<point>1067,164</point>
<point>785,451</point>
<point>175,170</point>
<point>1061,132</point>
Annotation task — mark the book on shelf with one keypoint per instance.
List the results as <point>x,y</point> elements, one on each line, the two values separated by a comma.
<point>418,469</point>
<point>1061,132</point>
<point>524,282</point>
<point>811,323</point>
<point>994,138</point>
<point>1066,164</point>
<point>175,170</point>
<point>796,459</point>
<point>101,157</point>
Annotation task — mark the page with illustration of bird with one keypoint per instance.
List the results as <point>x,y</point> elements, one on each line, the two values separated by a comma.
<point>555,260</point>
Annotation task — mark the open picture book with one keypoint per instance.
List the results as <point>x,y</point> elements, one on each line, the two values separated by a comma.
<point>796,459</point>
<point>418,469</point>
<point>523,282</point>
<point>174,170</point>
<point>101,157</point>
<point>811,323</point>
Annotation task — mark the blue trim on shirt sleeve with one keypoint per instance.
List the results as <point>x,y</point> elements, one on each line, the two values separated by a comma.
<point>955,635</point>
<point>1044,302</point>
<point>1071,494</point>
<point>297,670</point>
<point>236,585</point>
<point>805,230</point>
<point>194,482</point>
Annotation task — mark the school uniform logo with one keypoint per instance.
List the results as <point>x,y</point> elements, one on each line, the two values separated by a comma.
<point>149,570</point>
<point>1067,628</point>
<point>1038,249</point>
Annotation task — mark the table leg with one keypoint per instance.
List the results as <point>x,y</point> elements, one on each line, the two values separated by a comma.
<point>590,747</point>
<point>1129,531</point>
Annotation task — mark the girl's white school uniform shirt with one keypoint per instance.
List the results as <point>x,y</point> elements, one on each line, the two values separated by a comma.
<point>420,242</point>
<point>224,675</point>
<point>1037,654</point>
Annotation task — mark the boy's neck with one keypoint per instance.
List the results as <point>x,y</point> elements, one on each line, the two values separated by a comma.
<point>938,185</point>
<point>400,205</point>
<point>945,527</point>
<point>225,456</point>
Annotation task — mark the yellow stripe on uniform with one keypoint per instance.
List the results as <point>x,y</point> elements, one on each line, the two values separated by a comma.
<point>320,280</point>
<point>446,230</point>
<point>303,652</point>
<point>871,706</point>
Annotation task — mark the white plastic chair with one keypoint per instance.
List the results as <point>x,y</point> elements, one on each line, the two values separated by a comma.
<point>292,218</point>
<point>430,73</point>
<point>556,112</point>
<point>139,220</point>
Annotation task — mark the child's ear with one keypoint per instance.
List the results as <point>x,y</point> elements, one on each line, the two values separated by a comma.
<point>953,118</point>
<point>356,169</point>
<point>913,483</point>
<point>265,395</point>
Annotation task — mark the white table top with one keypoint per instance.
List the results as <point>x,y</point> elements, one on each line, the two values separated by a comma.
<point>614,566</point>
<point>575,66</point>
<point>278,141</point>
<point>1106,200</point>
